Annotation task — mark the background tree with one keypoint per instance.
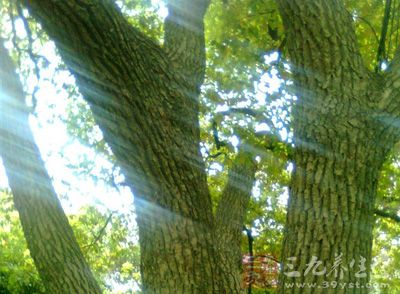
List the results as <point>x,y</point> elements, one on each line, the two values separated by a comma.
<point>50,238</point>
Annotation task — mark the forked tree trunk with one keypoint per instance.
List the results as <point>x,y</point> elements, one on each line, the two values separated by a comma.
<point>145,100</point>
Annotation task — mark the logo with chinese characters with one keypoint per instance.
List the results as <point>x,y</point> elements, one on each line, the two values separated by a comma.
<point>260,271</point>
<point>317,267</point>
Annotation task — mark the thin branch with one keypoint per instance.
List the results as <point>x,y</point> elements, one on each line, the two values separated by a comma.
<point>381,47</point>
<point>272,141</point>
<point>101,232</point>
<point>212,156</point>
<point>389,215</point>
<point>250,240</point>
<point>216,154</point>
<point>113,182</point>
<point>244,110</point>
<point>390,199</point>
<point>392,17</point>
<point>370,26</point>
<point>249,112</point>
<point>32,56</point>
<point>217,141</point>
<point>14,33</point>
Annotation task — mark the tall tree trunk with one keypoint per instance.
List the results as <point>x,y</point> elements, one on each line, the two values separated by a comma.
<point>342,139</point>
<point>51,241</point>
<point>330,214</point>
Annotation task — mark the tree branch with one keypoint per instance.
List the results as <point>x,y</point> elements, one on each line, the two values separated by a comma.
<point>250,240</point>
<point>184,39</point>
<point>271,140</point>
<point>368,23</point>
<point>385,214</point>
<point>243,110</point>
<point>233,204</point>
<point>274,143</point>
<point>101,231</point>
<point>232,208</point>
<point>217,141</point>
<point>388,108</point>
<point>32,56</point>
<point>382,41</point>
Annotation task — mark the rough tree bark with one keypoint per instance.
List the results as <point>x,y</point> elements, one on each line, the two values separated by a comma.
<point>50,239</point>
<point>343,129</point>
<point>145,100</point>
<point>230,215</point>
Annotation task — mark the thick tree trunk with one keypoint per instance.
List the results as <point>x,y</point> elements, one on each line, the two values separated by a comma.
<point>330,215</point>
<point>341,142</point>
<point>50,239</point>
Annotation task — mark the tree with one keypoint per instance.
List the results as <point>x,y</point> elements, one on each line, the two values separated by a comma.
<point>51,241</point>
<point>344,127</point>
<point>144,97</point>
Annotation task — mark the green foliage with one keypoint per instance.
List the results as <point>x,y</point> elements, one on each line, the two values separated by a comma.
<point>108,243</point>
<point>368,19</point>
<point>144,16</point>
<point>17,270</point>
<point>386,248</point>
<point>385,269</point>
<point>238,36</point>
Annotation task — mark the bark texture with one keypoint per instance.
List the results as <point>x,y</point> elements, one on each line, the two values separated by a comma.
<point>230,215</point>
<point>342,137</point>
<point>145,100</point>
<point>50,239</point>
